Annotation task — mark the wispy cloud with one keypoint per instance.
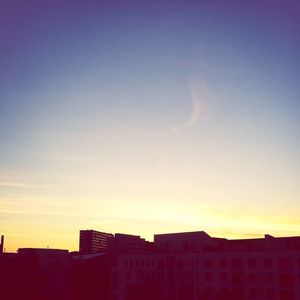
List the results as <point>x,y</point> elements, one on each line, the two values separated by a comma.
<point>198,94</point>
<point>14,184</point>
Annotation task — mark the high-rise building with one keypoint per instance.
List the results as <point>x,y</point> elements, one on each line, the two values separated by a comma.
<point>92,241</point>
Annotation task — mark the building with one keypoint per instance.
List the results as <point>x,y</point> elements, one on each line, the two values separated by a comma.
<point>90,276</point>
<point>195,266</point>
<point>35,274</point>
<point>183,242</point>
<point>92,241</point>
<point>127,243</point>
<point>176,266</point>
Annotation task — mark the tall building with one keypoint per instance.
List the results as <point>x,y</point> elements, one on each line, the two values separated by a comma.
<point>92,241</point>
<point>2,244</point>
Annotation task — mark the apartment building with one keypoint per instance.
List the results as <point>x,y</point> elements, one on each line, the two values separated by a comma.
<point>196,266</point>
<point>92,241</point>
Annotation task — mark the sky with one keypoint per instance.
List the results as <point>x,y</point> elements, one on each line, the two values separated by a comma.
<point>147,117</point>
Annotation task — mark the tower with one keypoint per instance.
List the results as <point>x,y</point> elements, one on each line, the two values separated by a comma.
<point>2,244</point>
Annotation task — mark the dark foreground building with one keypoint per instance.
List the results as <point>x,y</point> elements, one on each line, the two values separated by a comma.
<point>35,274</point>
<point>176,266</point>
<point>190,266</point>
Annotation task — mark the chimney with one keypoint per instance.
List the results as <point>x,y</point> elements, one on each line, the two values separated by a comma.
<point>2,244</point>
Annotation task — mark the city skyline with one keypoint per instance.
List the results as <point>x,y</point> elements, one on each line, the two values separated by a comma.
<point>143,117</point>
<point>175,266</point>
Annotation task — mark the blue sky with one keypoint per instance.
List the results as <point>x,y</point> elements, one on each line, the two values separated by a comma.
<point>189,108</point>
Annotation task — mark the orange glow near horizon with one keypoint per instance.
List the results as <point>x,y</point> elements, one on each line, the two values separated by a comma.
<point>57,226</point>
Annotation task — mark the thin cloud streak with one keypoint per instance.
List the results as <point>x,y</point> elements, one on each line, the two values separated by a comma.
<point>13,184</point>
<point>197,95</point>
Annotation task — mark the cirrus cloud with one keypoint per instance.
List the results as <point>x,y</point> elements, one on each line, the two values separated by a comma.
<point>198,94</point>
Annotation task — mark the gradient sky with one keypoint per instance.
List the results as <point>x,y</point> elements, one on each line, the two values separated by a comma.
<point>145,117</point>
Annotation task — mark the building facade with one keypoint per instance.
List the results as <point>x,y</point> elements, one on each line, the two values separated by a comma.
<point>176,266</point>
<point>92,241</point>
<point>35,274</point>
<point>194,266</point>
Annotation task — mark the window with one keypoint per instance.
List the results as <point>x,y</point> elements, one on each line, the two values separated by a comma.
<point>238,293</point>
<point>114,275</point>
<point>237,278</point>
<point>285,279</point>
<point>192,263</point>
<point>208,276</point>
<point>251,263</point>
<point>179,264</point>
<point>253,293</point>
<point>286,295</point>
<point>269,278</point>
<point>285,264</point>
<point>268,262</point>
<point>270,294</point>
<point>223,277</point>
<point>223,263</point>
<point>237,263</point>
<point>161,264</point>
<point>170,262</point>
<point>252,277</point>
<point>208,290</point>
<point>208,262</point>
<point>224,291</point>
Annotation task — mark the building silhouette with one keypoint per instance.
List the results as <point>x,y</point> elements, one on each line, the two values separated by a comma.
<point>175,266</point>
<point>92,241</point>
<point>194,265</point>
<point>35,274</point>
<point>127,243</point>
<point>2,244</point>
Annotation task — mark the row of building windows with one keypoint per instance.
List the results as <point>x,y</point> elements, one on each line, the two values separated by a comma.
<point>283,279</point>
<point>139,263</point>
<point>283,264</point>
<point>252,293</point>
